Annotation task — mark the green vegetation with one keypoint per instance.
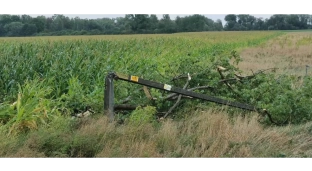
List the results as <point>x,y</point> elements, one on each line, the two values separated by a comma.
<point>307,30</point>
<point>25,25</point>
<point>71,73</point>
<point>46,81</point>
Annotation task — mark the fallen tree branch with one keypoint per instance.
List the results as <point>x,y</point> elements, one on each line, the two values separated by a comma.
<point>173,95</point>
<point>125,107</point>
<point>230,79</point>
<point>179,77</point>
<point>179,98</point>
<point>148,93</point>
<point>265,112</point>
<point>183,96</point>
<point>126,100</point>
<point>220,69</point>
<point>253,74</point>
<point>261,71</point>
<point>200,87</point>
<point>173,107</point>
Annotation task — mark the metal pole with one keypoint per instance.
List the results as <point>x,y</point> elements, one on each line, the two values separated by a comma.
<point>109,96</point>
<point>166,87</point>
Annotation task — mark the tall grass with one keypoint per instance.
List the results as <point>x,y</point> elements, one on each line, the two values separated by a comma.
<point>209,133</point>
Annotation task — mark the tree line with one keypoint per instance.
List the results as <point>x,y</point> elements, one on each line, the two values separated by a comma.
<point>58,24</point>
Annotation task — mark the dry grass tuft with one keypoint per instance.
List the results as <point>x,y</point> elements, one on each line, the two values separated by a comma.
<point>204,134</point>
<point>290,53</point>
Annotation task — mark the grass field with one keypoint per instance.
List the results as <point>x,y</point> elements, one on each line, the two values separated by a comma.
<point>45,80</point>
<point>289,53</point>
<point>307,30</point>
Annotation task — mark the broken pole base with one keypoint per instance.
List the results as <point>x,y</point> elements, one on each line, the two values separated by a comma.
<point>109,96</point>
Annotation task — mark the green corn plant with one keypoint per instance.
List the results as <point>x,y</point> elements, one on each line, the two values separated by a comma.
<point>32,107</point>
<point>71,71</point>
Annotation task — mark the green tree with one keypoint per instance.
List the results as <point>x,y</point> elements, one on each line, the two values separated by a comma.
<point>293,21</point>
<point>278,22</point>
<point>15,18</point>
<point>166,25</point>
<point>140,23</point>
<point>153,22</point>
<point>26,19</point>
<point>304,19</point>
<point>40,22</point>
<point>93,25</point>
<point>231,21</point>
<point>218,25</point>
<point>107,25</point>
<point>2,31</point>
<point>13,28</point>
<point>28,30</point>
<point>5,19</point>
<point>123,25</point>
<point>57,23</point>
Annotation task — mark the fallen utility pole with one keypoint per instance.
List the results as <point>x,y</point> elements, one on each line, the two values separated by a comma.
<point>109,92</point>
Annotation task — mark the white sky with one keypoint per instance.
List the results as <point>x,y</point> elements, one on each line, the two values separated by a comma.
<point>93,13</point>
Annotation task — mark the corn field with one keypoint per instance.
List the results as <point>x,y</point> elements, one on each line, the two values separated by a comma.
<point>42,78</point>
